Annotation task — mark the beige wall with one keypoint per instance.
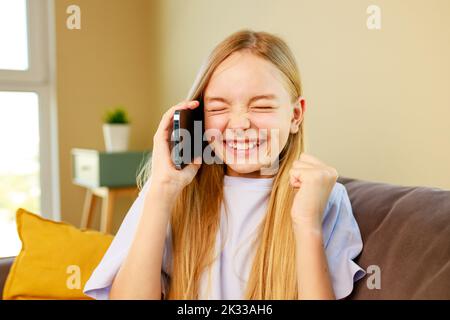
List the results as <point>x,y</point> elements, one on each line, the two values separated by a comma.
<point>378,101</point>
<point>108,62</point>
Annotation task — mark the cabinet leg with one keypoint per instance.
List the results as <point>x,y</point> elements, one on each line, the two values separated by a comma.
<point>88,209</point>
<point>107,212</point>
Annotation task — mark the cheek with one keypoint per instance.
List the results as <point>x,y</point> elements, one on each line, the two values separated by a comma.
<point>284,131</point>
<point>265,121</point>
<point>278,128</point>
<point>216,122</point>
<point>273,123</point>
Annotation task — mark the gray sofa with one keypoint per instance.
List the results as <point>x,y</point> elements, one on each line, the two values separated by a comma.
<point>5,266</point>
<point>406,234</point>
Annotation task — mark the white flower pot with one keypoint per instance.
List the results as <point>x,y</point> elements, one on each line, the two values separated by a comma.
<point>116,137</point>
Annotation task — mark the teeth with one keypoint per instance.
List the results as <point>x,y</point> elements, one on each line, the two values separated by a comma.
<point>241,145</point>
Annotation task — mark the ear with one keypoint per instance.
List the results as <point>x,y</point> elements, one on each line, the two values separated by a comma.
<point>299,109</point>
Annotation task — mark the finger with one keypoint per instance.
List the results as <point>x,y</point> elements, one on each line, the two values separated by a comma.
<point>296,183</point>
<point>313,172</point>
<point>303,171</point>
<point>168,115</point>
<point>294,176</point>
<point>166,121</point>
<point>318,165</point>
<point>327,169</point>
<point>191,169</point>
<point>187,104</point>
<point>193,104</point>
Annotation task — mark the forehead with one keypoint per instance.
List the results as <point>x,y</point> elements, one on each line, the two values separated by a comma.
<point>243,74</point>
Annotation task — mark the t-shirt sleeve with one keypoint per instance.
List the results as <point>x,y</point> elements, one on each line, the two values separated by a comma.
<point>166,263</point>
<point>99,284</point>
<point>343,242</point>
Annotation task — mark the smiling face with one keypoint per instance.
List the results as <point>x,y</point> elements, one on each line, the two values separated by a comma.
<point>247,103</point>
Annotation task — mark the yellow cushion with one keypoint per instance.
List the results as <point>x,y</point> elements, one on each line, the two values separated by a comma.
<point>56,259</point>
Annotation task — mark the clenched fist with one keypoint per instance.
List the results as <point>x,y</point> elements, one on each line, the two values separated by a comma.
<point>313,181</point>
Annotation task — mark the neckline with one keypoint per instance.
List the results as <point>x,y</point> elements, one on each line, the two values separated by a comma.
<point>259,182</point>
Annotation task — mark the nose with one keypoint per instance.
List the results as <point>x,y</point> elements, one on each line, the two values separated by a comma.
<point>239,120</point>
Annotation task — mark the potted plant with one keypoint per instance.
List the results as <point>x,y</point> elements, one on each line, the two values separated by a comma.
<point>116,130</point>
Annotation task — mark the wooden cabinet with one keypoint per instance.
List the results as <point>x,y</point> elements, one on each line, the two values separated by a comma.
<point>106,175</point>
<point>92,168</point>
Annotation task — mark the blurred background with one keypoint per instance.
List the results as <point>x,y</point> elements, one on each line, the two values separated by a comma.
<point>378,100</point>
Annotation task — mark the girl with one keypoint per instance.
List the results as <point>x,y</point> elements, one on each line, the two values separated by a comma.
<point>225,230</point>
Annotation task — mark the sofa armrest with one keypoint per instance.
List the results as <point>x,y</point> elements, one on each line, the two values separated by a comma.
<point>405,232</point>
<point>5,266</point>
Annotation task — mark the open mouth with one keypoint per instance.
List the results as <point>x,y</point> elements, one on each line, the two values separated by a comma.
<point>243,146</point>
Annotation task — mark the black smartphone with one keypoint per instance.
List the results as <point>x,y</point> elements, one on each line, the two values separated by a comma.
<point>187,136</point>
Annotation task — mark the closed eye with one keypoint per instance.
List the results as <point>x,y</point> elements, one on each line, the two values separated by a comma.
<point>262,108</point>
<point>216,110</point>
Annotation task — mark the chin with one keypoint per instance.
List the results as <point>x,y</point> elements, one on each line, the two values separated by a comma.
<point>245,168</point>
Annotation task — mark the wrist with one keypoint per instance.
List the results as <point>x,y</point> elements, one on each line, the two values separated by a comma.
<point>165,188</point>
<point>163,194</point>
<point>307,225</point>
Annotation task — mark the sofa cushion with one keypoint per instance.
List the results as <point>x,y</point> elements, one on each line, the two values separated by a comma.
<point>55,261</point>
<point>406,233</point>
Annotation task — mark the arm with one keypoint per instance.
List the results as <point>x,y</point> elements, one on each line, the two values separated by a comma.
<point>140,275</point>
<point>313,277</point>
<point>313,181</point>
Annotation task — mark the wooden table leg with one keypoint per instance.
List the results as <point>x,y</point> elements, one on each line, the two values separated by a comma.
<point>107,211</point>
<point>88,209</point>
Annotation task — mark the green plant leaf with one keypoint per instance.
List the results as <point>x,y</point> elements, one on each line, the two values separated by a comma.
<point>116,116</point>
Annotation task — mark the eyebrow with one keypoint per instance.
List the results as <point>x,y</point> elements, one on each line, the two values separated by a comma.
<point>252,99</point>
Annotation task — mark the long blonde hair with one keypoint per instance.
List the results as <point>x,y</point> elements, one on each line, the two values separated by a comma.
<point>196,215</point>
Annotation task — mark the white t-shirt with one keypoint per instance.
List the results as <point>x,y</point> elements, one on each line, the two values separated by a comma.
<point>246,201</point>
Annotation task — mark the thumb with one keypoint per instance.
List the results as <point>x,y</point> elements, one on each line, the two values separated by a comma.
<point>192,168</point>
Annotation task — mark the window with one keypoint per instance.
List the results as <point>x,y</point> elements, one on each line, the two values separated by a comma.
<point>13,17</point>
<point>28,146</point>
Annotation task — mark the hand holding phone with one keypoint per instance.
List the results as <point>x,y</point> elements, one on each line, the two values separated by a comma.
<point>163,172</point>
<point>187,136</point>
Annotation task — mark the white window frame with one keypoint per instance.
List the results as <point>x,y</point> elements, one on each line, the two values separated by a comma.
<point>40,78</point>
